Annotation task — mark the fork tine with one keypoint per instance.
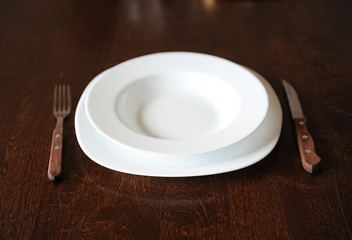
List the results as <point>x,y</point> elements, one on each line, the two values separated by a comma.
<point>60,98</point>
<point>64,98</point>
<point>68,98</point>
<point>55,99</point>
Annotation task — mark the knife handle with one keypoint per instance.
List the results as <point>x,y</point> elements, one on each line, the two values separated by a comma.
<point>310,160</point>
<point>54,168</point>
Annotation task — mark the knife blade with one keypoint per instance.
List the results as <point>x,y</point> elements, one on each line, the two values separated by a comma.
<point>310,160</point>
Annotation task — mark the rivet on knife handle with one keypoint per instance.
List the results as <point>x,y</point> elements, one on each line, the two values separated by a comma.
<point>310,160</point>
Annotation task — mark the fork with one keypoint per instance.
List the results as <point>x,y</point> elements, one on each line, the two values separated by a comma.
<point>61,109</point>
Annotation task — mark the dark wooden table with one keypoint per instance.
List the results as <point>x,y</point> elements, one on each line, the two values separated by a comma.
<point>43,43</point>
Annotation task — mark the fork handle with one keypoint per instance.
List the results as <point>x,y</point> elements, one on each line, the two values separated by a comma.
<point>54,169</point>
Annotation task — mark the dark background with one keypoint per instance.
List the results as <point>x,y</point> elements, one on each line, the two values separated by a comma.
<point>43,43</point>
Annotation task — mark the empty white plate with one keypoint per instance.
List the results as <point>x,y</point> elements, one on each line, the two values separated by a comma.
<point>244,153</point>
<point>176,103</point>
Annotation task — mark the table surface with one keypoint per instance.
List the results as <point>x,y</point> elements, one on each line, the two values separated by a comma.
<point>43,43</point>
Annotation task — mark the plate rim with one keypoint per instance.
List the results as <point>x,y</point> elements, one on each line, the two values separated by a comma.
<point>208,143</point>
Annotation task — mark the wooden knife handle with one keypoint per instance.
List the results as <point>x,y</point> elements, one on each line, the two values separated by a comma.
<point>54,168</point>
<point>310,160</point>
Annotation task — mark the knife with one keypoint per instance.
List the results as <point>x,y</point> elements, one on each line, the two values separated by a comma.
<point>310,160</point>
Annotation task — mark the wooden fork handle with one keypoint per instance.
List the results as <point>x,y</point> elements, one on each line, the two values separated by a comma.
<point>54,169</point>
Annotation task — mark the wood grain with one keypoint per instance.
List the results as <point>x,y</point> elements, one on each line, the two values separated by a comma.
<point>43,43</point>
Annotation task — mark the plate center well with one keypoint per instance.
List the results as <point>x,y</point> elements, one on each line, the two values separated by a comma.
<point>178,106</point>
<point>178,118</point>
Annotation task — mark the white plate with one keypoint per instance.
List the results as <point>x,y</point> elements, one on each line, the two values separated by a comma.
<point>176,103</point>
<point>242,154</point>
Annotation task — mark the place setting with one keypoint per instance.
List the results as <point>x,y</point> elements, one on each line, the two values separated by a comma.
<point>178,114</point>
<point>176,120</point>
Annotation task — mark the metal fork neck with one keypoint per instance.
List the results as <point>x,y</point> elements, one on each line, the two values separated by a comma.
<point>60,123</point>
